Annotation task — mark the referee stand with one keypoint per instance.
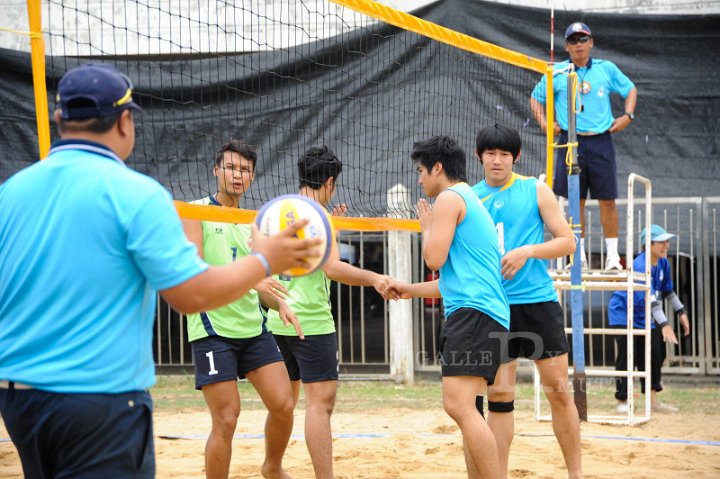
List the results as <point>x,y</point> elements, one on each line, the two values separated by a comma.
<point>600,280</point>
<point>577,282</point>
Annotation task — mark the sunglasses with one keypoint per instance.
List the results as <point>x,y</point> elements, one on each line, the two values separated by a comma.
<point>578,39</point>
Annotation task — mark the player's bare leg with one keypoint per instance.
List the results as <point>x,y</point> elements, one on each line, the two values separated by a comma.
<point>502,424</point>
<point>459,393</point>
<point>223,400</point>
<point>319,405</point>
<point>273,386</point>
<point>565,419</point>
<point>472,470</point>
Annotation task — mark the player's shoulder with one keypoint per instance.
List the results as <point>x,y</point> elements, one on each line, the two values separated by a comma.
<point>139,184</point>
<point>479,188</point>
<point>523,178</point>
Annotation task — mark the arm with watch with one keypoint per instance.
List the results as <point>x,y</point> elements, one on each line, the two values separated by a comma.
<point>624,120</point>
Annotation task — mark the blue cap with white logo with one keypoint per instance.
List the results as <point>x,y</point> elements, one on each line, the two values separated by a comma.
<point>94,90</point>
<point>577,27</point>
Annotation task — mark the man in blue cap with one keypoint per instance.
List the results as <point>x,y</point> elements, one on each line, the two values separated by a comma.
<point>661,288</point>
<point>85,244</point>
<point>597,80</point>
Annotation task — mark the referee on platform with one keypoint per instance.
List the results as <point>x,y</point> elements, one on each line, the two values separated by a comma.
<point>597,80</point>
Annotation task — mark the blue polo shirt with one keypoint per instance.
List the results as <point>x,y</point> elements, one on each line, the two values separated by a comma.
<point>596,81</point>
<point>85,243</point>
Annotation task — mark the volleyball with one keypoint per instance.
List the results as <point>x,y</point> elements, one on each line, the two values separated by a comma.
<point>282,211</point>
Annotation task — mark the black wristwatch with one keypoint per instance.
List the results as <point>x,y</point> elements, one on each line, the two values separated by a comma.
<point>630,115</point>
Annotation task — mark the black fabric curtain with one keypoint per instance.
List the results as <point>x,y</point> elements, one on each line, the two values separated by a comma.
<point>671,59</point>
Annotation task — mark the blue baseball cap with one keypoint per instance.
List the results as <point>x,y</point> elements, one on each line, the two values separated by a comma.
<point>577,27</point>
<point>94,90</point>
<point>657,233</point>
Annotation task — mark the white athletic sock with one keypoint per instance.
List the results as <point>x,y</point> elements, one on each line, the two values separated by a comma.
<point>612,246</point>
<point>583,257</point>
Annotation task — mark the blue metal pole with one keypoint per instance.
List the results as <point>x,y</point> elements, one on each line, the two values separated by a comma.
<point>576,291</point>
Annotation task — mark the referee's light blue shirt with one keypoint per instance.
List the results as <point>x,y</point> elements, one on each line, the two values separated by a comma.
<point>85,242</point>
<point>596,82</point>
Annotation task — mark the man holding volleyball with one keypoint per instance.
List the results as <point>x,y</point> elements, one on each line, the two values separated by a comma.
<point>314,359</point>
<point>233,341</point>
<point>86,243</point>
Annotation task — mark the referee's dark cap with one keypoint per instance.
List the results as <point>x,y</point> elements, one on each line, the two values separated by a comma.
<point>94,90</point>
<point>577,27</point>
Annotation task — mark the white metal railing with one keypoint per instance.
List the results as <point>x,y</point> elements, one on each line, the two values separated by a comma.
<point>630,281</point>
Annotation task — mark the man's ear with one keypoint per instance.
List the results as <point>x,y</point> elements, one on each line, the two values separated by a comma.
<point>125,123</point>
<point>330,182</point>
<point>518,157</point>
<point>477,155</point>
<point>437,167</point>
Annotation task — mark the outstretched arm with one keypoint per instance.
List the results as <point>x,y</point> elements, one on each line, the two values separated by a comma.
<point>428,289</point>
<point>345,273</point>
<point>220,285</point>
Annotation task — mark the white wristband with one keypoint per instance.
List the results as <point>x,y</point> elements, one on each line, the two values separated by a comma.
<point>264,262</point>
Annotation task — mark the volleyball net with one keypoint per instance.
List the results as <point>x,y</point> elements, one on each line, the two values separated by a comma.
<point>360,77</point>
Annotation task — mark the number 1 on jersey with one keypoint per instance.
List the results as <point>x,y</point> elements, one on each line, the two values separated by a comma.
<point>500,228</point>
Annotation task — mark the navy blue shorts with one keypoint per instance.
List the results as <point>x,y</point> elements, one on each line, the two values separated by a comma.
<point>312,359</point>
<point>470,344</point>
<point>598,171</point>
<point>80,435</point>
<point>537,331</point>
<point>220,359</point>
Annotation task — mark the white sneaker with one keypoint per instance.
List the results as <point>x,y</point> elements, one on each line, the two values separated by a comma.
<point>584,265</point>
<point>662,407</point>
<point>622,407</point>
<point>613,262</point>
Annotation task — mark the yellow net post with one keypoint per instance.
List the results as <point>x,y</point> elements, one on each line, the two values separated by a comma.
<point>550,122</point>
<point>37,45</point>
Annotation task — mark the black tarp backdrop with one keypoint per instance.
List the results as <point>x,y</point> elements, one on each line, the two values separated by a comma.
<point>671,59</point>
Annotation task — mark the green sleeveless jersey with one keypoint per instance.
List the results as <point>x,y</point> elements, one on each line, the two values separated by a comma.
<point>222,244</point>
<point>309,298</point>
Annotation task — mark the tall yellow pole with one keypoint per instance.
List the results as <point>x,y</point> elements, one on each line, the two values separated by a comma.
<point>550,130</point>
<point>37,45</point>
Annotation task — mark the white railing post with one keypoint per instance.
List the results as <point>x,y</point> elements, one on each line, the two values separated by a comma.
<point>402,364</point>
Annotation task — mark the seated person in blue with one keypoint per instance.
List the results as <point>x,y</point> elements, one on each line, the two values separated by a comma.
<point>661,288</point>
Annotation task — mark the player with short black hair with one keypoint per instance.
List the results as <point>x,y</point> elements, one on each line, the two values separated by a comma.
<point>233,342</point>
<point>314,359</point>
<point>521,207</point>
<point>316,166</point>
<point>459,240</point>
